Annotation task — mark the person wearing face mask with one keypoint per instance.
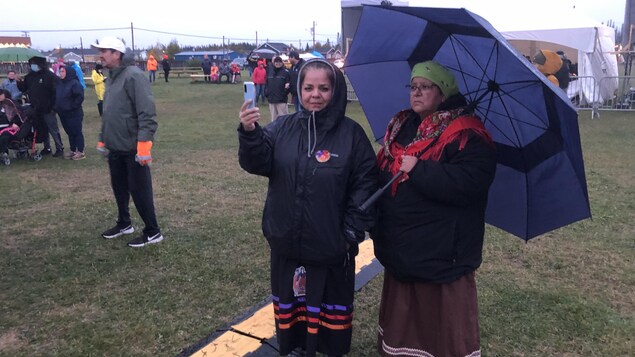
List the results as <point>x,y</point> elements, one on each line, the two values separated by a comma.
<point>39,86</point>
<point>100,86</point>
<point>321,168</point>
<point>11,84</point>
<point>431,222</point>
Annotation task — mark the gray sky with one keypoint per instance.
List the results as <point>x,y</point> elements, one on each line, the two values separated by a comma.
<point>239,20</point>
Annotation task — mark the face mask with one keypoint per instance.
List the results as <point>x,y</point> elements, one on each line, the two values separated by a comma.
<point>35,67</point>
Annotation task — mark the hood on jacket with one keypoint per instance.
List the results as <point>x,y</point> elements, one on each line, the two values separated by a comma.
<point>336,108</point>
<point>70,73</point>
<point>320,122</point>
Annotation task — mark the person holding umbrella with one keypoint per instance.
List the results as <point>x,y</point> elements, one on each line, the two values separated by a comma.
<point>321,167</point>
<point>431,221</point>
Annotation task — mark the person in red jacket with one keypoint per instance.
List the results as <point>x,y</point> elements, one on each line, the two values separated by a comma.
<point>259,77</point>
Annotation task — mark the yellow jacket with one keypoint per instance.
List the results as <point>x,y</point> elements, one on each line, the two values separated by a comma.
<point>152,64</point>
<point>100,86</point>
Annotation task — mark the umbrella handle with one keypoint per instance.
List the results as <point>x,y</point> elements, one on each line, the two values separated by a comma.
<point>379,192</point>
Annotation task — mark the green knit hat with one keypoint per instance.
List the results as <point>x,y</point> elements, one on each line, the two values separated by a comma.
<point>438,75</point>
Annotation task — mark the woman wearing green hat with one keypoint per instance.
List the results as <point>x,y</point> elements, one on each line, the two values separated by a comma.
<point>429,233</point>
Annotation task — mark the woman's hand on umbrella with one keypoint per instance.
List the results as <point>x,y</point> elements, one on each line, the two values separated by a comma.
<point>407,163</point>
<point>249,116</point>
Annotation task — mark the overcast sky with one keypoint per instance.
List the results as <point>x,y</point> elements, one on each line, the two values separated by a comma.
<point>238,20</point>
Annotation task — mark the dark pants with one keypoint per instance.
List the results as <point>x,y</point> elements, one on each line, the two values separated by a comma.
<point>100,107</point>
<point>220,77</point>
<point>166,74</point>
<point>260,93</point>
<point>72,123</point>
<point>51,124</point>
<point>5,138</point>
<point>128,178</point>
<point>207,73</point>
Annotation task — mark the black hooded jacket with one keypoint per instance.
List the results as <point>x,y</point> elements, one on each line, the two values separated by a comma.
<point>69,92</point>
<point>40,87</point>
<point>321,168</point>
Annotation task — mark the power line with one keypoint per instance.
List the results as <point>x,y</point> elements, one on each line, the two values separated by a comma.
<point>325,36</point>
<point>75,30</point>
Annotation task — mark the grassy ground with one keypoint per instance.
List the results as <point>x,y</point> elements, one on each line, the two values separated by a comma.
<point>67,292</point>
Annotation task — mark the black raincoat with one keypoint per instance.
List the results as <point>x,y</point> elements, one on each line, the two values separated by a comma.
<point>321,167</point>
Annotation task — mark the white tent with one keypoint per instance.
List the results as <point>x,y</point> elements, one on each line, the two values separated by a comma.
<point>586,40</point>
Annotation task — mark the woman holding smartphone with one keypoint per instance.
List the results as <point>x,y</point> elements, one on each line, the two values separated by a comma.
<point>321,167</point>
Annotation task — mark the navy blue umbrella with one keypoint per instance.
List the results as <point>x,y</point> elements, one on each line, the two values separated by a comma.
<point>540,183</point>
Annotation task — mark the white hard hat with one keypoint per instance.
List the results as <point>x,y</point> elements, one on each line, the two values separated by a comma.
<point>112,43</point>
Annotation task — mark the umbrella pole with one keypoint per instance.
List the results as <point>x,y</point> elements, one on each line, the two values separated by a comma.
<point>379,192</point>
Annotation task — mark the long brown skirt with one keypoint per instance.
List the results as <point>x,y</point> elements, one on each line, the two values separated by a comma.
<point>429,320</point>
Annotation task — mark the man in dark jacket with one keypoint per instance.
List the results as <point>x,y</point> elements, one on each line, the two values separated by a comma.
<point>277,89</point>
<point>206,65</point>
<point>39,86</point>
<point>224,70</point>
<point>297,62</point>
<point>127,132</point>
<point>165,63</point>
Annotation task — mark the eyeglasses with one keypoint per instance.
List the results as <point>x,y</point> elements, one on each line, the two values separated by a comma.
<point>422,88</point>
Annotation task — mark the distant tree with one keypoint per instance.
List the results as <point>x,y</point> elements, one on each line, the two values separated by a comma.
<point>173,48</point>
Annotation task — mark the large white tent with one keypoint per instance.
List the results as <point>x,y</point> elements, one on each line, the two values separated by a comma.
<point>584,40</point>
<point>532,26</point>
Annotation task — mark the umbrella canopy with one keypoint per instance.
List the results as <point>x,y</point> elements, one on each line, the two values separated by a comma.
<point>540,183</point>
<point>18,54</point>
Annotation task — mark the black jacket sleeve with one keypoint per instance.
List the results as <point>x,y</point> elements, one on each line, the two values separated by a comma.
<point>362,184</point>
<point>255,151</point>
<point>461,179</point>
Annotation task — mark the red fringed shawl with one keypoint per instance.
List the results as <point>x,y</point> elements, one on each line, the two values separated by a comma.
<point>437,129</point>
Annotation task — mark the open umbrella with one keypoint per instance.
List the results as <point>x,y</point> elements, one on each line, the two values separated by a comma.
<point>18,54</point>
<point>540,183</point>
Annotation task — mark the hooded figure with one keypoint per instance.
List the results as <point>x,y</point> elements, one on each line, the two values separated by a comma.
<point>68,105</point>
<point>321,168</point>
<point>100,86</point>
<point>39,87</point>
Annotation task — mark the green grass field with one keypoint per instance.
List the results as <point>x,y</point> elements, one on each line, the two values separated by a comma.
<point>64,291</point>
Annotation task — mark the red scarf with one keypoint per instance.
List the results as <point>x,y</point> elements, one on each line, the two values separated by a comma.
<point>437,129</point>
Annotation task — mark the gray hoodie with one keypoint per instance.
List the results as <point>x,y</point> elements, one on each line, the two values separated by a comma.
<point>129,109</point>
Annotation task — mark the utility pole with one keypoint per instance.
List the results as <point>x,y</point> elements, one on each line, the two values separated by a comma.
<point>313,33</point>
<point>81,46</point>
<point>132,35</point>
<point>256,39</point>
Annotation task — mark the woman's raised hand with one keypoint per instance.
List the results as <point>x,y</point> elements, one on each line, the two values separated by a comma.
<point>249,116</point>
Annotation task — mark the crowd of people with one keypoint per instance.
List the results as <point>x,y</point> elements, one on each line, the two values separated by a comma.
<point>427,229</point>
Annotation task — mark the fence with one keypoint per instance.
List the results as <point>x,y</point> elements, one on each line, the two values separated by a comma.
<point>586,93</point>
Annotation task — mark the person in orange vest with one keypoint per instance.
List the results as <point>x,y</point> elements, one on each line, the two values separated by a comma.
<point>214,72</point>
<point>152,66</point>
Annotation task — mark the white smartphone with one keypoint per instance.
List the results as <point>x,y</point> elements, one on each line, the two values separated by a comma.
<point>250,93</point>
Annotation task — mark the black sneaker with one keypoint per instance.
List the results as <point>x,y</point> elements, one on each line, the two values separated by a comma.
<point>117,231</point>
<point>45,152</point>
<point>144,240</point>
<point>59,153</point>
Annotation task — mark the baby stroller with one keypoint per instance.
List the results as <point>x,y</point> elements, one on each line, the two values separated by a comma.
<point>23,142</point>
